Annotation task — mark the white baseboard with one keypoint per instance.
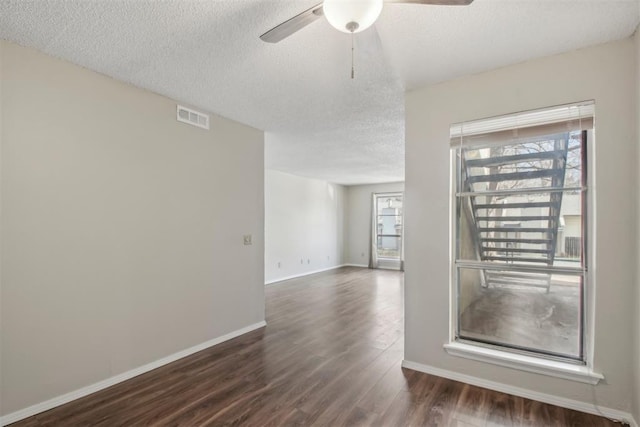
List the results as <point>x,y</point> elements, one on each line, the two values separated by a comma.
<point>357,265</point>
<point>76,394</point>
<point>576,405</point>
<point>308,273</point>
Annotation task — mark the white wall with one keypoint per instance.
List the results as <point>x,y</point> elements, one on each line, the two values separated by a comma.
<point>121,228</point>
<point>636,329</point>
<point>359,220</point>
<point>304,223</point>
<point>1,222</point>
<point>604,73</point>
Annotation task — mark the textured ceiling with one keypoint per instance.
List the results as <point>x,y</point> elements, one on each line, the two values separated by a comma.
<point>318,122</point>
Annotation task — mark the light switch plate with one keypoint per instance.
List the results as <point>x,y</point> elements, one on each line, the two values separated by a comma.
<point>247,239</point>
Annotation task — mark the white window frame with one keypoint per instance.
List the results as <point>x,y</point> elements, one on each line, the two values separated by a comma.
<point>378,196</point>
<point>525,361</point>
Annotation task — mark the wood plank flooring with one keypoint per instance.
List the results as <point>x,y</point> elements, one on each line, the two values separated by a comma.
<point>329,356</point>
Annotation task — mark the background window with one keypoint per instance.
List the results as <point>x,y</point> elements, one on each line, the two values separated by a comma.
<point>389,225</point>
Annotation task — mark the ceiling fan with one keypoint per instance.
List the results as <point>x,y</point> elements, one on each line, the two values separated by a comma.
<point>349,16</point>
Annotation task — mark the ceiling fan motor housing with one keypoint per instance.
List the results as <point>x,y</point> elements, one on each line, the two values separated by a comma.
<point>352,26</point>
<point>352,16</point>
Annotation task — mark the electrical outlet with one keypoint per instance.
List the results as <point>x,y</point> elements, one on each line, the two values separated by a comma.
<point>247,239</point>
<point>301,261</point>
<point>308,261</point>
<point>279,265</point>
<point>362,254</point>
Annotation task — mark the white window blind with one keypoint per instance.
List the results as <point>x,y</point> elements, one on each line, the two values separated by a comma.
<point>518,126</point>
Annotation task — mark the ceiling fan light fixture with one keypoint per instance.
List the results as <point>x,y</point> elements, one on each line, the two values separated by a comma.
<point>351,16</point>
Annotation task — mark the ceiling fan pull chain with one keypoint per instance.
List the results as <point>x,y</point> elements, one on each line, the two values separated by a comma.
<point>352,67</point>
<point>352,27</point>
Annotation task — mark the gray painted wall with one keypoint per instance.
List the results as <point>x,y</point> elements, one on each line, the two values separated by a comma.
<point>359,219</point>
<point>122,229</point>
<point>605,73</point>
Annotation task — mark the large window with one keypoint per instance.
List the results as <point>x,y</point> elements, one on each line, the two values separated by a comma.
<point>520,242</point>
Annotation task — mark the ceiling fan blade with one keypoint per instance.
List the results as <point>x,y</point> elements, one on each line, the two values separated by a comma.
<point>292,25</point>
<point>434,2</point>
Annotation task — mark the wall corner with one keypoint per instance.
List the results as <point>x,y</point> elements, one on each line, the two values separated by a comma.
<point>636,299</point>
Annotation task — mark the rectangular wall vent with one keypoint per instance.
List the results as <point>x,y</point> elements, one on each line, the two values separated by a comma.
<point>192,117</point>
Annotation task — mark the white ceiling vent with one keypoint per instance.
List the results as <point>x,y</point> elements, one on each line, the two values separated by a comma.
<point>192,117</point>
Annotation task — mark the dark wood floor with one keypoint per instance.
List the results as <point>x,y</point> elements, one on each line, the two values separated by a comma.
<point>330,356</point>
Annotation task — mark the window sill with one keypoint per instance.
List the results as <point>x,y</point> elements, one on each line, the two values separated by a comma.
<point>521,362</point>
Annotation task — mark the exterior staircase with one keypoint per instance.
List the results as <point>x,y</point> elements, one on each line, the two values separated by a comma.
<point>514,205</point>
